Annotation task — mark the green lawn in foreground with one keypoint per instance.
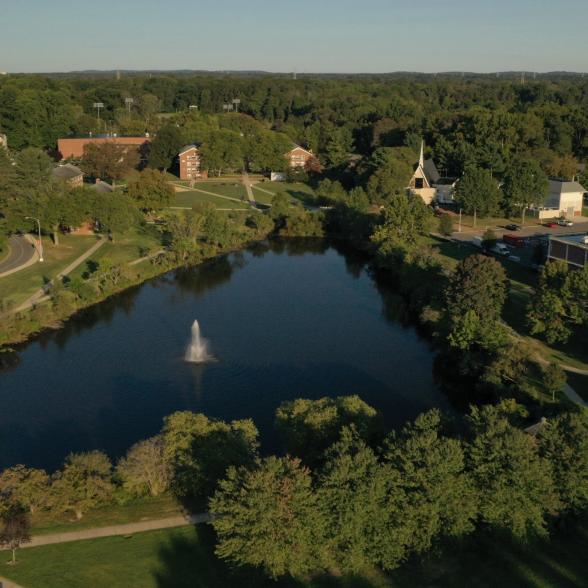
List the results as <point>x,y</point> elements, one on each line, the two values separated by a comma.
<point>190,198</point>
<point>184,558</point>
<point>232,188</point>
<point>17,287</point>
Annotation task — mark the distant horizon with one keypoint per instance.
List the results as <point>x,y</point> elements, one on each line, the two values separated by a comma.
<point>122,70</point>
<point>371,37</point>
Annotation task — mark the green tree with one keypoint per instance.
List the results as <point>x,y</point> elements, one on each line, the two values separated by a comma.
<point>554,379</point>
<point>557,304</point>
<point>405,220</point>
<point>366,510</point>
<point>16,526</point>
<point>109,160</point>
<point>478,193</point>
<point>308,427</point>
<point>151,190</point>
<point>440,496</point>
<point>446,225</point>
<point>165,147</point>
<point>489,239</point>
<point>83,483</point>
<point>564,442</point>
<point>115,212</point>
<point>144,469</point>
<point>514,483</point>
<point>27,485</point>
<point>524,185</point>
<point>268,517</point>
<point>478,284</point>
<point>199,450</point>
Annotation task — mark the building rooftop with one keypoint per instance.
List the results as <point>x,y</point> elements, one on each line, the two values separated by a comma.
<point>67,172</point>
<point>563,187</point>
<point>580,239</point>
<point>187,148</point>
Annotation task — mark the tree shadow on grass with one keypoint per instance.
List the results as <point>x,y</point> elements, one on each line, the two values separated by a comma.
<point>187,560</point>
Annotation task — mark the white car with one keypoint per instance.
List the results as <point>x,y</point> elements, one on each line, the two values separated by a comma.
<point>564,222</point>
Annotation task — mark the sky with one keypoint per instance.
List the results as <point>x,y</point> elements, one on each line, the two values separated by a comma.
<point>348,36</point>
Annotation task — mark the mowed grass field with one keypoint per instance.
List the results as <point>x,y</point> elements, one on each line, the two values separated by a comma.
<point>17,287</point>
<point>296,191</point>
<point>184,558</point>
<point>190,198</point>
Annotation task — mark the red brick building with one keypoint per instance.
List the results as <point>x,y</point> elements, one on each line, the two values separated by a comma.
<point>75,147</point>
<point>189,158</point>
<point>299,157</point>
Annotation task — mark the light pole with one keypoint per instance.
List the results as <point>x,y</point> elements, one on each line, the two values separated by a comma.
<point>129,103</point>
<point>40,241</point>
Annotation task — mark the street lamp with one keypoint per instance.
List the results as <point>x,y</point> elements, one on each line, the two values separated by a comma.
<point>129,103</point>
<point>236,102</point>
<point>40,242</point>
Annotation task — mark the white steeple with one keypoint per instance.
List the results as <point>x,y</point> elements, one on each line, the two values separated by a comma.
<point>422,156</point>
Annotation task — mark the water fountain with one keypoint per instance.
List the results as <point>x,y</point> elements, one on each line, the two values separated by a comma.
<point>197,351</point>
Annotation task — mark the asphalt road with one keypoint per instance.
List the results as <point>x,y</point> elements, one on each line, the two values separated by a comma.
<point>21,251</point>
<point>468,233</point>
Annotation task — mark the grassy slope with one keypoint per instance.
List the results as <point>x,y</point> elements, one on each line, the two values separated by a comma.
<point>523,282</point>
<point>44,522</point>
<point>184,558</point>
<point>189,198</point>
<point>19,286</point>
<point>127,247</point>
<point>297,190</point>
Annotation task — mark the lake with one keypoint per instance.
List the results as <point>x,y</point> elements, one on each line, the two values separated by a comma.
<point>290,319</point>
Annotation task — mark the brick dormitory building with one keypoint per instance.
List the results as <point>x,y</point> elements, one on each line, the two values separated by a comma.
<point>73,147</point>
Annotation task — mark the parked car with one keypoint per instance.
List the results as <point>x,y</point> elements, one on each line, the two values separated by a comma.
<point>551,225</point>
<point>513,227</point>
<point>564,222</point>
<point>501,249</point>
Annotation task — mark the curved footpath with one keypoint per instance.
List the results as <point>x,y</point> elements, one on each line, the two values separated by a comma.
<point>22,254</point>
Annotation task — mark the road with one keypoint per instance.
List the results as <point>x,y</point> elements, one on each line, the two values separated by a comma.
<point>529,230</point>
<point>22,252</point>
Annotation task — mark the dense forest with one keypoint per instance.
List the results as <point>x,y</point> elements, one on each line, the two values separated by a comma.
<point>486,121</point>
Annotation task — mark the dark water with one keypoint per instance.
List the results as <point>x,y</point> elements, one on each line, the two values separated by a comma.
<point>294,320</point>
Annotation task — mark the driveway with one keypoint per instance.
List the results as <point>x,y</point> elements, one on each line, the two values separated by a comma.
<point>22,252</point>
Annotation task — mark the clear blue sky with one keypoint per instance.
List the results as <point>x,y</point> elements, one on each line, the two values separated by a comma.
<point>284,35</point>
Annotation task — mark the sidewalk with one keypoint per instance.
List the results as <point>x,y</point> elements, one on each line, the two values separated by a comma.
<point>114,530</point>
<point>42,293</point>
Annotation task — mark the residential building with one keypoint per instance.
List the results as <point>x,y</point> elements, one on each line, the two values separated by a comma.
<point>570,248</point>
<point>74,147</point>
<point>189,158</point>
<point>299,157</point>
<point>70,174</point>
<point>565,198</point>
<point>102,187</point>
<point>427,183</point>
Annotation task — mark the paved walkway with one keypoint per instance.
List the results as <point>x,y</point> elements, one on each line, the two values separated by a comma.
<point>23,253</point>
<point>5,583</point>
<point>42,293</point>
<point>247,183</point>
<point>574,396</point>
<point>116,530</point>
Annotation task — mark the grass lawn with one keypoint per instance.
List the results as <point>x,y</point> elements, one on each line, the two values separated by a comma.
<point>142,509</point>
<point>232,189</point>
<point>296,191</point>
<point>579,383</point>
<point>190,198</point>
<point>126,247</point>
<point>585,211</point>
<point>184,557</point>
<point>17,287</point>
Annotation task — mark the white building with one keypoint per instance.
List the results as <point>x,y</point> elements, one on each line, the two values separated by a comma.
<point>565,198</point>
<point>427,183</point>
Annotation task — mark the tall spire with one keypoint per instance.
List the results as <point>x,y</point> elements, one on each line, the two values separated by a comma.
<point>422,156</point>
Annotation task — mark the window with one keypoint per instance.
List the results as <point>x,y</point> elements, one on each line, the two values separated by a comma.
<point>419,183</point>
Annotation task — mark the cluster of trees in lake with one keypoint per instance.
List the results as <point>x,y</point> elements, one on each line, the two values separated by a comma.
<point>347,494</point>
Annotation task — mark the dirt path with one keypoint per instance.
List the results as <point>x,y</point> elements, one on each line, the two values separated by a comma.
<point>114,530</point>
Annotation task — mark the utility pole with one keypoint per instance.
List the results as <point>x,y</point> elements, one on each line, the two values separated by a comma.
<point>40,247</point>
